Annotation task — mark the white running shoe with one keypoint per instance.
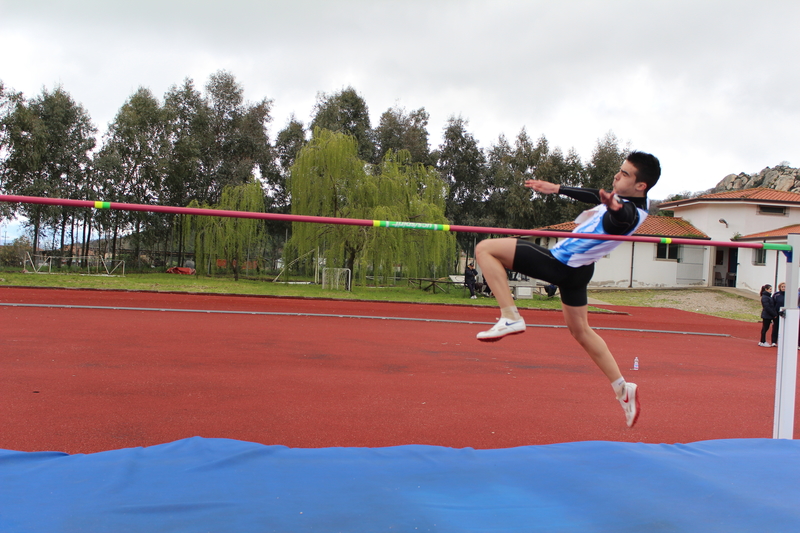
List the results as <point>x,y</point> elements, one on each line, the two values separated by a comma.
<point>630,403</point>
<point>503,327</point>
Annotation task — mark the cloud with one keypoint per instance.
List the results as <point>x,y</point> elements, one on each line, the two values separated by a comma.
<point>708,86</point>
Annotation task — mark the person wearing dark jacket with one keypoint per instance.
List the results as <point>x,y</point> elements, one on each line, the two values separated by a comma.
<point>780,301</point>
<point>768,314</point>
<point>470,275</point>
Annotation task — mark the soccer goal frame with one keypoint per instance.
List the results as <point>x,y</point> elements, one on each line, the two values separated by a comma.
<point>337,279</point>
<point>89,265</point>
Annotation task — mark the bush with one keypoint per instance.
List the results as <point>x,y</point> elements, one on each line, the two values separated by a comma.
<point>13,255</point>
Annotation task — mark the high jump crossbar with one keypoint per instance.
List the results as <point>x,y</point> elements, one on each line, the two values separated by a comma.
<point>786,373</point>
<point>381,223</point>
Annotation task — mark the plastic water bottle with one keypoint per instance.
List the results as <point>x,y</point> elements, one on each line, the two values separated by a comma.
<point>636,363</point>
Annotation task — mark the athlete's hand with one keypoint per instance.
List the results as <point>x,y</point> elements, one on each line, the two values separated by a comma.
<point>543,187</point>
<point>610,200</point>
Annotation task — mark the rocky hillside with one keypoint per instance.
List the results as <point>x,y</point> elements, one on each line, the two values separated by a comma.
<point>780,178</point>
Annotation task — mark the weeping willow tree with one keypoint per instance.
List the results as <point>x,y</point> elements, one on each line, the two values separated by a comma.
<point>329,179</point>
<point>223,237</point>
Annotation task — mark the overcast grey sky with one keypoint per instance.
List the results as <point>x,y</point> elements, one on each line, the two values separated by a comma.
<point>709,86</point>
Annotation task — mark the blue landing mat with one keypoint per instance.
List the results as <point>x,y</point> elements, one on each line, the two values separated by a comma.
<point>220,485</point>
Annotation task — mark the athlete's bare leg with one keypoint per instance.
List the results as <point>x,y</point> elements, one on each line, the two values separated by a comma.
<point>577,319</point>
<point>494,257</point>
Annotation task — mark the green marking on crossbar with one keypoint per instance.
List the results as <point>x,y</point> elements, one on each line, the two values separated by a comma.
<point>774,246</point>
<point>410,225</point>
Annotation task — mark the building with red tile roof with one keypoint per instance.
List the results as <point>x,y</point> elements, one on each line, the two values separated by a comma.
<point>653,226</point>
<point>778,234</point>
<point>758,195</point>
<point>757,214</point>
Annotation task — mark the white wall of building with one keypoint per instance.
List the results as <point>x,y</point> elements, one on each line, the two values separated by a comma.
<point>740,219</point>
<point>753,276</point>
<point>615,270</point>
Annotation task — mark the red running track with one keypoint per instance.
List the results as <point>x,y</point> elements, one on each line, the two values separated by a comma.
<point>83,380</point>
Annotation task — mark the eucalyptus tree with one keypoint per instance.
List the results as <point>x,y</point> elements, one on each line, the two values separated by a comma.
<point>329,179</point>
<point>70,140</point>
<point>606,159</point>
<point>513,205</point>
<point>48,142</point>
<point>240,144</point>
<point>567,170</point>
<point>22,148</point>
<point>218,140</point>
<point>136,161</point>
<point>462,164</point>
<point>187,177</point>
<point>345,112</point>
<point>109,177</point>
<point>8,99</point>
<point>190,137</point>
<point>399,130</point>
<point>509,202</point>
<point>288,143</point>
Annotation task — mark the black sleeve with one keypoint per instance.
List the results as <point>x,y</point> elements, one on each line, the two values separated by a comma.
<point>622,221</point>
<point>588,196</point>
<point>614,222</point>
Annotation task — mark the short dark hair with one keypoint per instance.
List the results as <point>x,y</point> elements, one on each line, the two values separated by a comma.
<point>648,169</point>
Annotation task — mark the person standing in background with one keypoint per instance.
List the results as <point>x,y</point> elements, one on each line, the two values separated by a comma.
<point>780,301</point>
<point>768,314</point>
<point>470,275</point>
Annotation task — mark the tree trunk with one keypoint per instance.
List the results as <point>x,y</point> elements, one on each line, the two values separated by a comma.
<point>114,243</point>
<point>63,237</point>
<point>180,240</point>
<point>349,263</point>
<point>35,235</point>
<point>137,248</point>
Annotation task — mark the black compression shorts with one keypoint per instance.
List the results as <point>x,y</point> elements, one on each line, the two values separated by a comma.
<point>538,262</point>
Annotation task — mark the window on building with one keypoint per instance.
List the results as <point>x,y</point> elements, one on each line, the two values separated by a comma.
<point>759,257</point>
<point>668,252</point>
<point>771,210</point>
<point>720,258</point>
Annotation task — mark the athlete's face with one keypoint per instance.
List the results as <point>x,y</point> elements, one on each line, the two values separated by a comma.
<point>625,181</point>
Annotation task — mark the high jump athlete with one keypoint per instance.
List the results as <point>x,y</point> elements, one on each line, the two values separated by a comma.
<point>570,263</point>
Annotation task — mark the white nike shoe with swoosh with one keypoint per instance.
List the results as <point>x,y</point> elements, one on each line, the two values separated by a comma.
<point>503,327</point>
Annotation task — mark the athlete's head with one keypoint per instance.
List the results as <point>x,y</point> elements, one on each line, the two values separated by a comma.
<point>648,169</point>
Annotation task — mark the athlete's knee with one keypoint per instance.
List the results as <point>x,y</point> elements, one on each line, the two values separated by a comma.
<point>500,249</point>
<point>580,332</point>
<point>485,247</point>
<point>578,323</point>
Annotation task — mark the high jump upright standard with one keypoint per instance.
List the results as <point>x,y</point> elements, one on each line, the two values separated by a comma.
<point>786,372</point>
